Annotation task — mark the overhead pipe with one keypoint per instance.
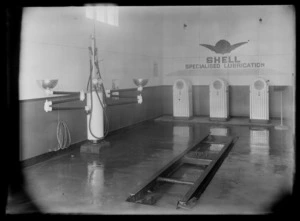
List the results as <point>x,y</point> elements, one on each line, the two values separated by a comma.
<point>71,93</point>
<point>48,107</point>
<point>65,100</point>
<point>138,96</point>
<point>66,92</point>
<point>139,100</point>
<point>123,96</point>
<point>111,92</point>
<point>68,108</point>
<point>71,97</point>
<point>121,103</point>
<point>121,90</point>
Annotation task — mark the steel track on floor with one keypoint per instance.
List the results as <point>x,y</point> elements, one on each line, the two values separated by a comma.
<point>207,155</point>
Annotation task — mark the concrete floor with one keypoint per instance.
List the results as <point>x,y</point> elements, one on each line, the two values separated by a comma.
<point>259,167</point>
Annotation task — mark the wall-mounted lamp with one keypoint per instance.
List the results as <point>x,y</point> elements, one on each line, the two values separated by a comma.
<point>140,83</point>
<point>48,84</point>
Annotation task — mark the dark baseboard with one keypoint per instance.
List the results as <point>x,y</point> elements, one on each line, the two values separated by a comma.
<point>46,156</point>
<point>219,119</point>
<point>183,118</point>
<point>259,121</point>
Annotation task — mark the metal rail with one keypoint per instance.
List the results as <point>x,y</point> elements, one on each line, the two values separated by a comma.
<point>208,160</point>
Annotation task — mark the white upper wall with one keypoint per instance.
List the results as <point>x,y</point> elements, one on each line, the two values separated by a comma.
<point>271,42</point>
<point>55,41</point>
<point>152,42</point>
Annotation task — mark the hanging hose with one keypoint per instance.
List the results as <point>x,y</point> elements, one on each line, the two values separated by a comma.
<point>103,104</point>
<point>63,135</point>
<point>106,120</point>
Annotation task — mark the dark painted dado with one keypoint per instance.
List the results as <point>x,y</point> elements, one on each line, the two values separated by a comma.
<point>239,101</point>
<point>288,106</point>
<point>200,101</point>
<point>38,128</point>
<point>121,116</point>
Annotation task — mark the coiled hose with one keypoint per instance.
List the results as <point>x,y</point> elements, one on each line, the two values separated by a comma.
<point>63,135</point>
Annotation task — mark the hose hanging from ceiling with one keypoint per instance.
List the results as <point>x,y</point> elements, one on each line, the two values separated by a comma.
<point>90,88</point>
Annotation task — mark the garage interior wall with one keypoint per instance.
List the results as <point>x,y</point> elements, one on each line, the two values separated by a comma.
<point>154,43</point>
<point>54,45</point>
<point>270,35</point>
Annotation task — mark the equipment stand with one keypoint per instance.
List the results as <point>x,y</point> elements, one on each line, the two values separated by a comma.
<point>281,126</point>
<point>92,147</point>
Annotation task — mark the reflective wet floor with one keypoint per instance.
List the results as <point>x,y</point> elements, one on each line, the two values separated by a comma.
<point>259,167</point>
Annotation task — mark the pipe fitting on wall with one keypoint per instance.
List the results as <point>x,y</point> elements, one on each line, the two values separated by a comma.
<point>47,105</point>
<point>115,94</point>
<point>140,99</point>
<point>82,95</point>
<point>140,88</point>
<point>87,109</point>
<point>48,91</point>
<point>107,92</point>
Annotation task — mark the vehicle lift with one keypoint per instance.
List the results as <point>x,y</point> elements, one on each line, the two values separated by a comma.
<point>208,155</point>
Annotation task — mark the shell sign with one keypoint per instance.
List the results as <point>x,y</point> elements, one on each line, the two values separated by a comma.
<point>224,47</point>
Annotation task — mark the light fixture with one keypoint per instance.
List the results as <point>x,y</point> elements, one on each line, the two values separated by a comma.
<point>48,84</point>
<point>140,82</point>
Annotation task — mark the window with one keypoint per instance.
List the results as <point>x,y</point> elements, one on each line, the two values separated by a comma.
<point>105,13</point>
